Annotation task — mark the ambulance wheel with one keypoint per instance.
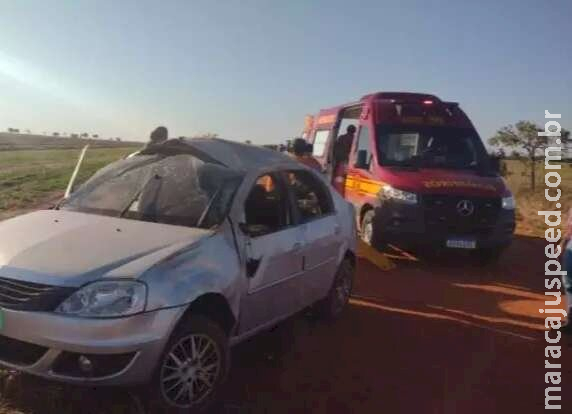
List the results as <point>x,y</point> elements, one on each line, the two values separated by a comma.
<point>367,231</point>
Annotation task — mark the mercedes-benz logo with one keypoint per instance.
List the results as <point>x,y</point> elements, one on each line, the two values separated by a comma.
<point>465,208</point>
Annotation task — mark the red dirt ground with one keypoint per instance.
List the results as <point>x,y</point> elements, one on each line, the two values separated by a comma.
<point>441,336</point>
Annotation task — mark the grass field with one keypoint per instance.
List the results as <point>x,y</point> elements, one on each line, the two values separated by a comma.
<point>529,203</point>
<point>30,178</point>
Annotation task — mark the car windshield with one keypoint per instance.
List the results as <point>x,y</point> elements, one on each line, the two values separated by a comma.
<point>430,147</point>
<point>178,189</point>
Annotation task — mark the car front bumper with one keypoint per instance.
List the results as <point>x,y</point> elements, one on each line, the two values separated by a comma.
<point>123,351</point>
<point>407,224</point>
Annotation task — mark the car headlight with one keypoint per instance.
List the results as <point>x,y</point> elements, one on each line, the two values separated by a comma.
<point>508,203</point>
<point>388,192</point>
<point>105,299</point>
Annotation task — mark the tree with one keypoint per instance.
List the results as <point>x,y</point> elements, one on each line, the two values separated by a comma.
<point>95,136</point>
<point>118,139</point>
<point>84,135</point>
<point>248,142</point>
<point>74,136</point>
<point>515,155</point>
<point>56,134</point>
<point>524,136</point>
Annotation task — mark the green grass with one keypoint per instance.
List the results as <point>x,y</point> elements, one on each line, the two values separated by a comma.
<point>530,202</point>
<point>28,178</point>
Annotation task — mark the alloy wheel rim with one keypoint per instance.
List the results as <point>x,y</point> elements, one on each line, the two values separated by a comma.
<point>190,370</point>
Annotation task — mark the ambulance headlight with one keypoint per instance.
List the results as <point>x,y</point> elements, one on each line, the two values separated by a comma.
<point>401,196</point>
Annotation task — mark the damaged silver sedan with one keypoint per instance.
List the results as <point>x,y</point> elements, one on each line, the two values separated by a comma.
<point>154,267</point>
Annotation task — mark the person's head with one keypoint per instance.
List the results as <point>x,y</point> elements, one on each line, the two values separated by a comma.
<point>300,147</point>
<point>159,135</point>
<point>351,129</point>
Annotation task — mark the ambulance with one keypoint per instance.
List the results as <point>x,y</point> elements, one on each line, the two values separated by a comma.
<point>417,173</point>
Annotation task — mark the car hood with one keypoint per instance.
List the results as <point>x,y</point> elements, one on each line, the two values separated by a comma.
<point>439,181</point>
<point>69,248</point>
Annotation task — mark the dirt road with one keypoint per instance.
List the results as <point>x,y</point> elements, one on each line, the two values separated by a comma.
<point>436,336</point>
<point>441,336</point>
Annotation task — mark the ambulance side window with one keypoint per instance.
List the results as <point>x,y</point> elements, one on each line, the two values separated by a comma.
<point>363,154</point>
<point>320,142</point>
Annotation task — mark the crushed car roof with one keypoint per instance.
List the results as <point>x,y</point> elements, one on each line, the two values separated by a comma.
<point>231,154</point>
<point>239,156</point>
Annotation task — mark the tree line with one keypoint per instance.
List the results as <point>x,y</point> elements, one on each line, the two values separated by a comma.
<point>526,145</point>
<point>83,135</point>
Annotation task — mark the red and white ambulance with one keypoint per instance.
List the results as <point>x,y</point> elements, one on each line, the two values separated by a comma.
<point>418,173</point>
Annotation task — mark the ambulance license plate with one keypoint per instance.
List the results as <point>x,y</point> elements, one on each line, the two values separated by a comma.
<point>461,244</point>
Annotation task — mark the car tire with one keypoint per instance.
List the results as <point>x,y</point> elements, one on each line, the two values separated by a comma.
<point>368,233</point>
<point>196,357</point>
<point>332,306</point>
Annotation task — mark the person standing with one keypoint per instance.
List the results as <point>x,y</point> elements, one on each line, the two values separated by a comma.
<point>344,145</point>
<point>300,150</point>
<point>158,136</point>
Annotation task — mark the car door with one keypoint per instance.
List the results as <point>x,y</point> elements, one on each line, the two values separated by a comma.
<point>314,210</point>
<point>322,146</point>
<point>273,247</point>
<point>360,182</point>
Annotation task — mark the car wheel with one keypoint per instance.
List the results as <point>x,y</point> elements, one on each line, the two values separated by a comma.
<point>367,232</point>
<point>332,306</point>
<point>192,369</point>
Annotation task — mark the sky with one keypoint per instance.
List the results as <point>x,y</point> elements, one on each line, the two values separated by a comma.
<point>252,69</point>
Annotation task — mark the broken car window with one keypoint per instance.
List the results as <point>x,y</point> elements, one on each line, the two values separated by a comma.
<point>179,189</point>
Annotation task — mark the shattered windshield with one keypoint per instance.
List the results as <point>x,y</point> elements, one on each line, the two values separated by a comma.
<point>179,189</point>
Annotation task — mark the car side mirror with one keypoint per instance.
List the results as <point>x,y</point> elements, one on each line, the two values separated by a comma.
<point>361,160</point>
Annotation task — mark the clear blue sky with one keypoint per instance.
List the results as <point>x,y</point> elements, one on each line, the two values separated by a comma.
<point>252,69</point>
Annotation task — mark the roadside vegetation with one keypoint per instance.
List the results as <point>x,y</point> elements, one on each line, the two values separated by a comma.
<point>32,179</point>
<point>524,172</point>
<point>529,202</point>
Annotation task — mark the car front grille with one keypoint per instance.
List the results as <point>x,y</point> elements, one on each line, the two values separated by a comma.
<point>19,352</point>
<point>442,214</point>
<point>20,295</point>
